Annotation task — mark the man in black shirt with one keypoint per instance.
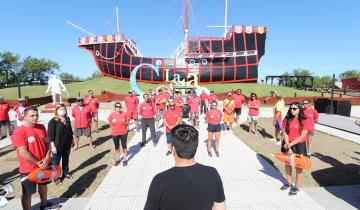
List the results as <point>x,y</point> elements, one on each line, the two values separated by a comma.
<point>188,185</point>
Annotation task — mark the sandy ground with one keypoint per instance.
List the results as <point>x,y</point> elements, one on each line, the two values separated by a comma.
<point>334,161</point>
<point>87,166</point>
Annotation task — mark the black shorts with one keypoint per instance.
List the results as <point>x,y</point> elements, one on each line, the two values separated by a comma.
<point>213,128</point>
<point>117,139</point>
<point>5,123</point>
<point>300,148</point>
<point>237,111</point>
<point>29,188</point>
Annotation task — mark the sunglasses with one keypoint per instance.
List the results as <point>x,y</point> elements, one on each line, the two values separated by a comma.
<point>294,108</point>
<point>117,106</point>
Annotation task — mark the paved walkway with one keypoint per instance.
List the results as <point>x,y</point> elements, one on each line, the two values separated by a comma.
<point>249,181</point>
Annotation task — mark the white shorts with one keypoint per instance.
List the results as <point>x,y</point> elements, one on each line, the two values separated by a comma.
<point>253,119</point>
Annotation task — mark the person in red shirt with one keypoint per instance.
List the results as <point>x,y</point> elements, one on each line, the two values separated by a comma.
<point>93,102</point>
<point>160,101</point>
<point>239,99</point>
<point>313,116</point>
<point>188,99</point>
<point>213,117</point>
<point>203,97</point>
<point>82,115</point>
<point>19,111</point>
<point>254,106</point>
<point>4,117</point>
<point>119,123</point>
<point>195,109</point>
<point>295,131</point>
<point>147,112</point>
<point>171,118</point>
<point>33,151</point>
<point>212,97</point>
<point>131,103</point>
<point>179,103</point>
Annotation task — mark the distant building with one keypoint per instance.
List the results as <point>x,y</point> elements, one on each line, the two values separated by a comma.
<point>352,83</point>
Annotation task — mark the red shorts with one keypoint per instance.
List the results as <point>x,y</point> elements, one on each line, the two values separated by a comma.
<point>132,115</point>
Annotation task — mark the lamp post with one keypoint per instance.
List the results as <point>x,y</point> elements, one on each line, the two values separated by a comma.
<point>331,110</point>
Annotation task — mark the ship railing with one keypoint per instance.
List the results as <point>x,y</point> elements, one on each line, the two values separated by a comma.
<point>179,50</point>
<point>220,54</point>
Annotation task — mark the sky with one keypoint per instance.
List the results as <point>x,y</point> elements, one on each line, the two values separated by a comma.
<point>322,36</point>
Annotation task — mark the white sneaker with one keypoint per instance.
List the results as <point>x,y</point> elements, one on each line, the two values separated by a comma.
<point>273,139</point>
<point>278,143</point>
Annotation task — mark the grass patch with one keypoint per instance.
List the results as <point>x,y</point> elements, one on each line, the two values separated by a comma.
<point>122,87</point>
<point>335,161</point>
<point>88,167</point>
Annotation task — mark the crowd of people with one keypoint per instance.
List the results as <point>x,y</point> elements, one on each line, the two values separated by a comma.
<point>37,147</point>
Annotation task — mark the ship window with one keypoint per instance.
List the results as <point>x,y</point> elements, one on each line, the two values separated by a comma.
<point>252,59</point>
<point>217,74</point>
<point>146,74</point>
<point>241,60</point>
<point>205,75</point>
<point>125,72</point>
<point>239,42</point>
<point>205,47</point>
<point>250,41</point>
<point>216,46</point>
<point>229,74</point>
<point>135,61</point>
<point>253,72</point>
<point>228,46</point>
<point>240,72</point>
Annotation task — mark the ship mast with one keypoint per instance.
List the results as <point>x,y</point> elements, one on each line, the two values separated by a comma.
<point>225,18</point>
<point>186,27</point>
<point>117,20</point>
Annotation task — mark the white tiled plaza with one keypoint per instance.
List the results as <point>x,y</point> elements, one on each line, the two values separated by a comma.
<point>249,181</point>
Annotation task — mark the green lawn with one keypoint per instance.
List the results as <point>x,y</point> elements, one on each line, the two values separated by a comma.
<point>122,87</point>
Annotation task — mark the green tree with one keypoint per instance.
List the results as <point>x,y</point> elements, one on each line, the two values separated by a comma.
<point>94,75</point>
<point>323,81</point>
<point>68,77</point>
<point>350,74</point>
<point>8,64</point>
<point>39,69</point>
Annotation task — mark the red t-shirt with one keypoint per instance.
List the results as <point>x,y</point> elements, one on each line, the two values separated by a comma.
<point>161,97</point>
<point>252,111</point>
<point>178,100</point>
<point>212,97</point>
<point>195,104</point>
<point>82,116</point>
<point>92,102</point>
<point>171,118</point>
<point>188,99</point>
<point>34,141</point>
<point>118,123</point>
<point>312,115</point>
<point>239,100</point>
<point>295,130</point>
<point>214,116</point>
<point>203,96</point>
<point>146,110</point>
<point>4,111</point>
<point>131,103</point>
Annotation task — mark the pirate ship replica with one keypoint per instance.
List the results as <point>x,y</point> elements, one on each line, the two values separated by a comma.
<point>233,57</point>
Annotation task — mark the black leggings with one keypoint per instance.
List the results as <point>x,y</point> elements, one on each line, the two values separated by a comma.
<point>123,139</point>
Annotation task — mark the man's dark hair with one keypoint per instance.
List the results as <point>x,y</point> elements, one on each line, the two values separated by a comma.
<point>185,140</point>
<point>31,108</point>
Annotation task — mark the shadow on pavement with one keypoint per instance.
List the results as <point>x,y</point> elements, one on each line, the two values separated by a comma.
<point>269,168</point>
<point>338,174</point>
<point>8,177</point>
<point>83,182</point>
<point>90,161</point>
